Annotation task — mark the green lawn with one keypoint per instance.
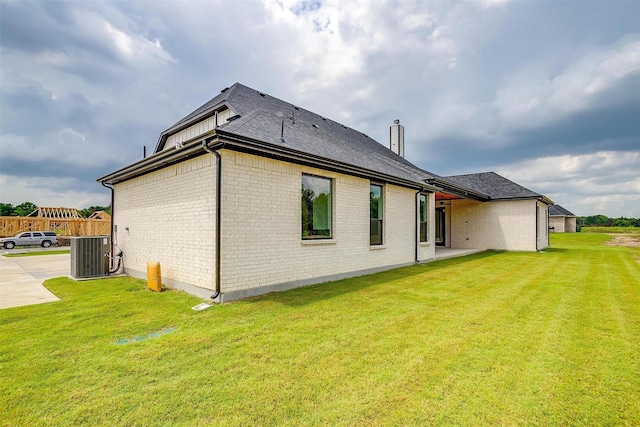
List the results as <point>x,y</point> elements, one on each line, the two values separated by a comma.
<point>38,253</point>
<point>548,338</point>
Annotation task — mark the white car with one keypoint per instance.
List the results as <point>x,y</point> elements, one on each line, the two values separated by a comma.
<point>30,238</point>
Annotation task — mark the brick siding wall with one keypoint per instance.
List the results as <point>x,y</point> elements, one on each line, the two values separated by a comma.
<point>262,242</point>
<point>562,224</point>
<point>508,225</point>
<point>170,216</point>
<point>557,222</point>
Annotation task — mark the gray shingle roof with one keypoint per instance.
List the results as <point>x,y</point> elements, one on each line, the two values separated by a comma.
<point>262,121</point>
<point>262,117</point>
<point>557,210</point>
<point>494,185</point>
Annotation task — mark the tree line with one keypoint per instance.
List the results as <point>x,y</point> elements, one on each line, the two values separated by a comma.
<point>605,221</point>
<point>25,208</point>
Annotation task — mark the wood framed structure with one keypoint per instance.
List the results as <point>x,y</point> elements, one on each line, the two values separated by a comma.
<point>63,221</point>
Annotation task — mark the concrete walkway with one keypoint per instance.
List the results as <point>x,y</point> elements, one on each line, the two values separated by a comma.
<point>446,253</point>
<point>21,278</point>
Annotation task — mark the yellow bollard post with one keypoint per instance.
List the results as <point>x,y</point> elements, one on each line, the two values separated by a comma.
<point>154,276</point>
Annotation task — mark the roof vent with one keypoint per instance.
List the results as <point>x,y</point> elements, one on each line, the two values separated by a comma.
<point>262,94</point>
<point>396,137</point>
<point>232,118</point>
<point>315,126</point>
<point>224,90</point>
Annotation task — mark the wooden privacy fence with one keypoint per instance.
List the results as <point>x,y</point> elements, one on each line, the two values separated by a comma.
<point>12,225</point>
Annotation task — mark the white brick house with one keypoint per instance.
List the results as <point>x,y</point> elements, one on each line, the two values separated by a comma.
<point>561,220</point>
<point>250,194</point>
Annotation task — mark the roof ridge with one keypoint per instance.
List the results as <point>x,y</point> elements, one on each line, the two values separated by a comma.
<point>208,106</point>
<point>475,173</point>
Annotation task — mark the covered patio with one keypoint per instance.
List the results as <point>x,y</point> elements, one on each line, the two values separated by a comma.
<point>446,253</point>
<point>488,211</point>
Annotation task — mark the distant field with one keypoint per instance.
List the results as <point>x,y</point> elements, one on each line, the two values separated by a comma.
<point>617,230</point>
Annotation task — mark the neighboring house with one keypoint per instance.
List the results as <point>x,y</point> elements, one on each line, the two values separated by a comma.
<point>561,220</point>
<point>250,194</point>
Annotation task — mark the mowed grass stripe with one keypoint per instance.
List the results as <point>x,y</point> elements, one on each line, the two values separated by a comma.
<point>493,358</point>
<point>495,338</point>
<point>593,359</point>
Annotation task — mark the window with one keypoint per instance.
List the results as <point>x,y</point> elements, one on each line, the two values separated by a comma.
<point>375,210</point>
<point>316,207</point>
<point>424,215</point>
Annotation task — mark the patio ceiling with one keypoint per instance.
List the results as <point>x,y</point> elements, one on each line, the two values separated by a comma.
<point>446,196</point>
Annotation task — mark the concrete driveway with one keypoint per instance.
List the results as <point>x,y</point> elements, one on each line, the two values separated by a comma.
<point>21,278</point>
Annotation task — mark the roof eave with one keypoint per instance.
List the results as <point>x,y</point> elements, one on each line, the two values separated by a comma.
<point>193,148</point>
<point>284,153</point>
<point>458,190</point>
<point>538,197</point>
<point>546,200</point>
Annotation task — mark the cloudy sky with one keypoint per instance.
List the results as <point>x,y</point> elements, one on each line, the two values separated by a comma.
<point>545,93</point>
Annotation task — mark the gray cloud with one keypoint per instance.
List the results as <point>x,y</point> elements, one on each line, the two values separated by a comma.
<point>524,88</point>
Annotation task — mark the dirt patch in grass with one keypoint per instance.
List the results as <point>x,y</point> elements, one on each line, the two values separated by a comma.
<point>628,240</point>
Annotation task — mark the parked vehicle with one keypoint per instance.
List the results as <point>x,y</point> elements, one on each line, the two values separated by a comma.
<point>30,238</point>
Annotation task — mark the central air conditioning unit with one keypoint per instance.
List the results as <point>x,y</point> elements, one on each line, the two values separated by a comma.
<point>89,256</point>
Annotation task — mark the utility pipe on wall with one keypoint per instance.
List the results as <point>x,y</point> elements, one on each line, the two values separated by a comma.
<point>537,226</point>
<point>111,255</point>
<point>214,151</point>
<point>416,218</point>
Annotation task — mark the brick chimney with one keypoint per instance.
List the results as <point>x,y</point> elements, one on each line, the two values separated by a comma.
<point>396,136</point>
